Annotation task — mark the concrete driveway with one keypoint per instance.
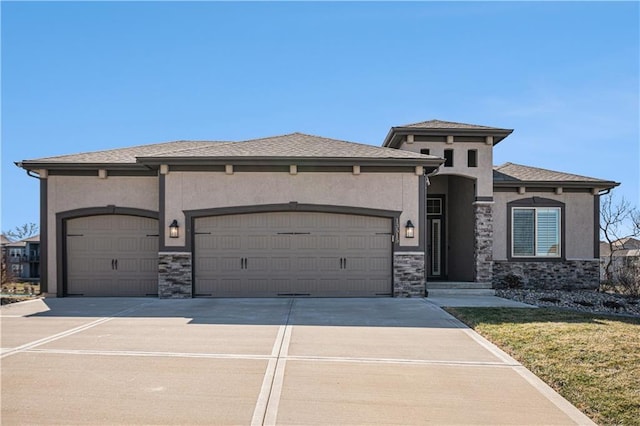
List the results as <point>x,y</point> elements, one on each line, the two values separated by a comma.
<point>260,361</point>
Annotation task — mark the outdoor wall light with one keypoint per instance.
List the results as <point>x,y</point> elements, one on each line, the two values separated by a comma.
<point>409,230</point>
<point>174,229</point>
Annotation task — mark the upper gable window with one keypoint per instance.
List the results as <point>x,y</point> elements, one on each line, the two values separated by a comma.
<point>425,151</point>
<point>448,158</point>
<point>472,158</point>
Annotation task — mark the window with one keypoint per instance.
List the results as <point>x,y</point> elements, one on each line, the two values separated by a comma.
<point>425,151</point>
<point>535,231</point>
<point>448,158</point>
<point>434,206</point>
<point>472,158</point>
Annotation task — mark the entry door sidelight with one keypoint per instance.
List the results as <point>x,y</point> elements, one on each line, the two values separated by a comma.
<point>435,237</point>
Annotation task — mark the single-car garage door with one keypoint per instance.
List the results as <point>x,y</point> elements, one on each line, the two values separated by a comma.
<point>292,253</point>
<point>112,255</point>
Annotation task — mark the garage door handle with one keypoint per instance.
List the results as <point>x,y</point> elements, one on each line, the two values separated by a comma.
<point>116,264</point>
<point>113,263</point>
<point>345,263</point>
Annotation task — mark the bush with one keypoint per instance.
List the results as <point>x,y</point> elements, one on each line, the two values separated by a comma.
<point>512,281</point>
<point>628,281</point>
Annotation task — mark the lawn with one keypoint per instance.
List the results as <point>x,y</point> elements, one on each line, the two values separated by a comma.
<point>591,360</point>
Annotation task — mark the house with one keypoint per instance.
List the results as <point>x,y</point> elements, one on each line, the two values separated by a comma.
<point>306,215</point>
<point>626,253</point>
<point>22,258</point>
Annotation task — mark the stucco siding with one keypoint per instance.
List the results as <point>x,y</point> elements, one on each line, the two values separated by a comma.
<point>483,173</point>
<point>579,211</point>
<point>205,190</point>
<point>66,193</point>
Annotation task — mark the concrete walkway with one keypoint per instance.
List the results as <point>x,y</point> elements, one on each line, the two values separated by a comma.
<point>260,361</point>
<point>463,301</point>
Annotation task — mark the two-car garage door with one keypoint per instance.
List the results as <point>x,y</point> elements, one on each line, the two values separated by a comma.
<point>292,253</point>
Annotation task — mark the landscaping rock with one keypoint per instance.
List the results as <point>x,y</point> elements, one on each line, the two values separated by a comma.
<point>579,300</point>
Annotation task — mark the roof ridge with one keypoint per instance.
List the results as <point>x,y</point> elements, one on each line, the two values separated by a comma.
<point>190,149</point>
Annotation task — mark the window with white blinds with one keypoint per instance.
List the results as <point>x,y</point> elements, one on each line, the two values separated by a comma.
<point>535,232</point>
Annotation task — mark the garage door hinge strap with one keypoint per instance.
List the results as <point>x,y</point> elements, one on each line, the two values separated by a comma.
<point>75,235</point>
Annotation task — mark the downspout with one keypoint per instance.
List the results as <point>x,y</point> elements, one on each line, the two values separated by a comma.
<point>44,238</point>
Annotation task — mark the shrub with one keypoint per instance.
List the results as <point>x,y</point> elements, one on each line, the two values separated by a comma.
<point>512,281</point>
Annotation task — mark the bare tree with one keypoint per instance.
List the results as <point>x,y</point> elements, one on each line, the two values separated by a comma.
<point>618,220</point>
<point>23,231</point>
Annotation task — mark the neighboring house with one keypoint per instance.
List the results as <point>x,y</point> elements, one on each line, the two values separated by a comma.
<point>626,253</point>
<point>306,215</point>
<point>22,258</point>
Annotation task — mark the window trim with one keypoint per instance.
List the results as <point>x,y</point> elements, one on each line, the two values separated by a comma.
<point>536,203</point>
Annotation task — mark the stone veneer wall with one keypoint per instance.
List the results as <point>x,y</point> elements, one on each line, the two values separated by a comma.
<point>564,275</point>
<point>174,276</point>
<point>483,241</point>
<point>408,274</point>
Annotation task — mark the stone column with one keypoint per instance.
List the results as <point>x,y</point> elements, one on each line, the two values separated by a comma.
<point>483,241</point>
<point>408,274</point>
<point>174,275</point>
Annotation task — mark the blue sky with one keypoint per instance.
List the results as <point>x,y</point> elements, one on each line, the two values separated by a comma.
<point>91,76</point>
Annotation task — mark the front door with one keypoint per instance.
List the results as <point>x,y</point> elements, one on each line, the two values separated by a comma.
<point>435,237</point>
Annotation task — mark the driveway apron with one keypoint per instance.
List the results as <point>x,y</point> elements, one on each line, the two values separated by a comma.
<point>287,361</point>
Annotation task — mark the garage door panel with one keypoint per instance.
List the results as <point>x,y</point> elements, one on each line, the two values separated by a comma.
<point>281,242</point>
<point>149,244</point>
<point>328,242</point>
<point>377,264</point>
<point>292,253</point>
<point>306,242</point>
<point>280,264</point>
<point>258,242</point>
<point>228,264</point>
<point>102,243</point>
<point>306,264</point>
<point>257,264</point>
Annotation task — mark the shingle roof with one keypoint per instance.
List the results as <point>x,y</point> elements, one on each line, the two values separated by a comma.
<point>124,155</point>
<point>514,173</point>
<point>440,124</point>
<point>294,145</point>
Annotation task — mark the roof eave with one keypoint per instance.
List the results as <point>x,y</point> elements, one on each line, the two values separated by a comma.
<point>393,137</point>
<point>555,184</point>
<point>35,165</point>
<point>285,161</point>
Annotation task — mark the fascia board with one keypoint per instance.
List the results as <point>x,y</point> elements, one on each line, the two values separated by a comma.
<point>555,184</point>
<point>428,162</point>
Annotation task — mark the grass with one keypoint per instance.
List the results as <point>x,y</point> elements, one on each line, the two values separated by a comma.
<point>591,360</point>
